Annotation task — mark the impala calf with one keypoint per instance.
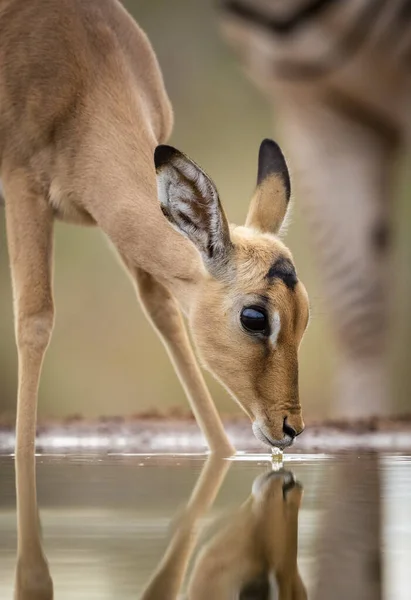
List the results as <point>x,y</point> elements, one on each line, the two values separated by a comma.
<point>83,111</point>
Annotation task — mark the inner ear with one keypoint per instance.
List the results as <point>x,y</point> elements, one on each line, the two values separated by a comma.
<point>270,202</point>
<point>190,201</point>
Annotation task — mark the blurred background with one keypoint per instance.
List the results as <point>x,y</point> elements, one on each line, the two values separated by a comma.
<point>104,359</point>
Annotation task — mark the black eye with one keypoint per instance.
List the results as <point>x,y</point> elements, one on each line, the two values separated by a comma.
<point>255,320</point>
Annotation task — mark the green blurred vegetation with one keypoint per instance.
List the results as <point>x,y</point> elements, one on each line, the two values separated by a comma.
<point>104,359</point>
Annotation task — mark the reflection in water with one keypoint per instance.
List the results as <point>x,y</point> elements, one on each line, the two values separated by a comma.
<point>33,581</point>
<point>167,580</point>
<point>254,551</point>
<point>248,552</point>
<point>349,549</point>
<point>252,555</point>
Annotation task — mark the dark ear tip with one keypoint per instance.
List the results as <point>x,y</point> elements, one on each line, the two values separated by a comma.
<point>267,143</point>
<point>271,161</point>
<point>163,154</point>
<point>271,150</point>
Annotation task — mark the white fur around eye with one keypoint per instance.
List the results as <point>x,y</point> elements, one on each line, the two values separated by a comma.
<point>275,328</point>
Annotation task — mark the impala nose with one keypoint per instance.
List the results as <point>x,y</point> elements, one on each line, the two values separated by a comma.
<point>288,430</point>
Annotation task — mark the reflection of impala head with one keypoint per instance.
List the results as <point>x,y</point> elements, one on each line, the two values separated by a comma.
<point>250,310</point>
<point>257,545</point>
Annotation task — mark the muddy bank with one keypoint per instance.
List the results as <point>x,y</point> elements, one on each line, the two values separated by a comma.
<point>147,433</point>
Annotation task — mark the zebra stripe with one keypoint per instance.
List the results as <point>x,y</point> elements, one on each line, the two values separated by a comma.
<point>286,30</point>
<point>338,74</point>
<point>282,26</point>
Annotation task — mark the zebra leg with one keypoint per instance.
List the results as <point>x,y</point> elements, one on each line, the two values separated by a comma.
<point>342,168</point>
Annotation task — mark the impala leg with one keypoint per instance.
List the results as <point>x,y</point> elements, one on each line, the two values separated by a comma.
<point>29,225</point>
<point>162,310</point>
<point>33,581</point>
<point>166,581</point>
<point>29,233</point>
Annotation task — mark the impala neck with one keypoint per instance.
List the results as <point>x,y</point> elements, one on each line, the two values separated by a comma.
<point>120,192</point>
<point>184,290</point>
<point>170,257</point>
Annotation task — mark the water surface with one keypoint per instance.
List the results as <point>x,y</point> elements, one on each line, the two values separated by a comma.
<point>163,526</point>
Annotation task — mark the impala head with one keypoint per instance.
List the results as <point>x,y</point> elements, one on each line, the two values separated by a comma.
<point>250,310</point>
<point>275,504</point>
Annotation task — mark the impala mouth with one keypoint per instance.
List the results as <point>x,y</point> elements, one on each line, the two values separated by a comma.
<point>285,442</point>
<point>289,482</point>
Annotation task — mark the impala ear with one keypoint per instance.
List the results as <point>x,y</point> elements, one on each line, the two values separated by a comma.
<point>189,200</point>
<point>269,204</point>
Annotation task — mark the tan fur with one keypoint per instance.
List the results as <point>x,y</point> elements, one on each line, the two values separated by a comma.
<point>257,541</point>
<point>168,578</point>
<point>33,579</point>
<point>263,380</point>
<point>82,110</point>
<point>264,214</point>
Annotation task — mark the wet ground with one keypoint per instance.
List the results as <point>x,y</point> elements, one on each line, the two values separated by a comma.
<point>160,526</point>
<point>159,434</point>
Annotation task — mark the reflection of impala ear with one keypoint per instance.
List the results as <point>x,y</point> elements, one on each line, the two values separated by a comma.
<point>189,200</point>
<point>269,204</point>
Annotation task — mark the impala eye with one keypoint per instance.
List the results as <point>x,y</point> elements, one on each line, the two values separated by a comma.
<point>255,320</point>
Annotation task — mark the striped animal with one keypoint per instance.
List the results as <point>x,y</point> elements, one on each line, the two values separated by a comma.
<point>337,74</point>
